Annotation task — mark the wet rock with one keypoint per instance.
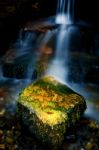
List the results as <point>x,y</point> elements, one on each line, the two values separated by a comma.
<point>83,68</point>
<point>71,138</point>
<point>89,146</point>
<point>1,137</point>
<point>2,122</point>
<point>92,75</point>
<point>1,133</point>
<point>2,112</point>
<point>2,146</point>
<point>9,140</point>
<point>14,70</point>
<point>48,108</point>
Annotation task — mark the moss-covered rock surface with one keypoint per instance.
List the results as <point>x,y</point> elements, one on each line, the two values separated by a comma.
<point>48,108</point>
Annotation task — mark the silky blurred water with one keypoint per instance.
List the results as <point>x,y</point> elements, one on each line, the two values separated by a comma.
<point>62,53</point>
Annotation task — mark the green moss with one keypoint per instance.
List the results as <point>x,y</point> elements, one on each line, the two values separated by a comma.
<point>52,104</point>
<point>60,109</point>
<point>48,107</point>
<point>57,87</point>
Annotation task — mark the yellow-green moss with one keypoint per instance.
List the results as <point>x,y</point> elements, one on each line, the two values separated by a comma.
<point>50,107</point>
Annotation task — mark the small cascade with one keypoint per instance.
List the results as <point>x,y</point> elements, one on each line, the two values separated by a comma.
<point>21,56</point>
<point>29,45</point>
<point>65,11</point>
<point>25,42</point>
<point>59,65</point>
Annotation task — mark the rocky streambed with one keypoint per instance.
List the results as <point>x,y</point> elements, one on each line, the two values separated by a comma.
<point>15,136</point>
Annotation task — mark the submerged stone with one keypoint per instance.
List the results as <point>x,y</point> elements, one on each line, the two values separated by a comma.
<point>48,108</point>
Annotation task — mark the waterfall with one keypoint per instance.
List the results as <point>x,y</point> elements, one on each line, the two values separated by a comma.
<point>27,43</point>
<point>68,9</point>
<point>63,15</point>
<point>59,65</point>
<point>61,6</point>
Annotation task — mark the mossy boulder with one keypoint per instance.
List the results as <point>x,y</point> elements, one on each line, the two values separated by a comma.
<point>48,108</point>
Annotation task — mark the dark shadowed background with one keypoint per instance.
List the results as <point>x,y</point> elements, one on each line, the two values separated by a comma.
<point>14,14</point>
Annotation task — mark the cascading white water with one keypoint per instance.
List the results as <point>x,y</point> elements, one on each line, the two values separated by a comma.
<point>24,44</point>
<point>59,65</point>
<point>63,15</point>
